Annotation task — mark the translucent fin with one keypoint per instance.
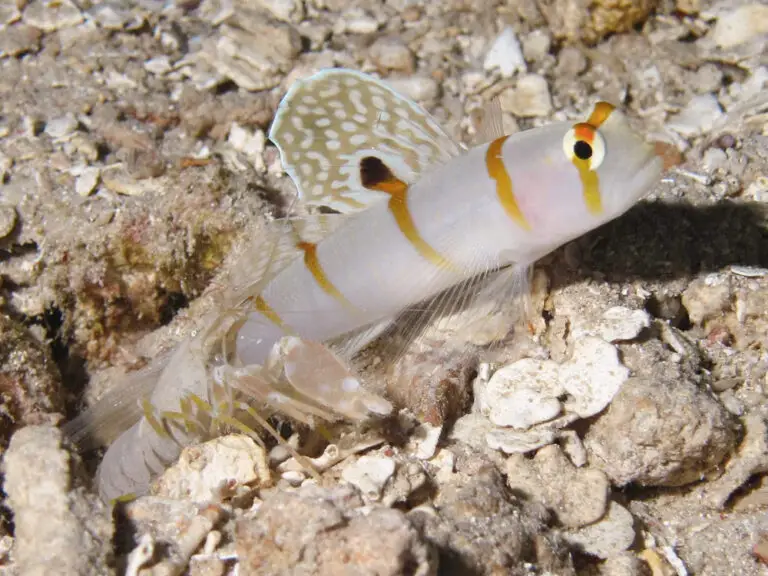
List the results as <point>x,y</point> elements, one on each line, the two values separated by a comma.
<point>329,122</point>
<point>118,409</point>
<point>492,124</point>
<point>349,344</point>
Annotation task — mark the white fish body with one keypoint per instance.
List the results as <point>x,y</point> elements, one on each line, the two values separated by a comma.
<point>418,215</point>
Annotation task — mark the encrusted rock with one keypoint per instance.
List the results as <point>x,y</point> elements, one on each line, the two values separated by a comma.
<point>328,532</point>
<point>660,433</point>
<point>479,528</point>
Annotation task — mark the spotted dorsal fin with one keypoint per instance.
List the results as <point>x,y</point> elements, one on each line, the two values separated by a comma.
<point>328,123</point>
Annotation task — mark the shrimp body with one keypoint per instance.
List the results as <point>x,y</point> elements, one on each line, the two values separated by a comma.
<point>417,215</point>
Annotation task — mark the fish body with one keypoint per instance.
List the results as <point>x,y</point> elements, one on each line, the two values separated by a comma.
<point>416,214</point>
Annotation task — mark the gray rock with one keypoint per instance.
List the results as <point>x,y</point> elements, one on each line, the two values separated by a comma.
<point>577,496</point>
<point>660,433</point>
<point>59,529</point>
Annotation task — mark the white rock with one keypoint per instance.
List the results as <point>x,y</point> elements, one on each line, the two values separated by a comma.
<point>529,98</point>
<point>610,535</point>
<point>592,376</point>
<point>521,394</point>
<point>505,54</point>
<point>61,127</point>
<point>697,117</point>
<point>369,474</point>
<point>87,181</point>
<point>418,88</point>
<point>621,323</point>
<point>202,470</point>
<point>741,25</point>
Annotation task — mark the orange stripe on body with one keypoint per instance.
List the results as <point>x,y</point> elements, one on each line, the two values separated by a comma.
<point>312,262</point>
<point>498,171</point>
<point>590,183</point>
<point>398,205</point>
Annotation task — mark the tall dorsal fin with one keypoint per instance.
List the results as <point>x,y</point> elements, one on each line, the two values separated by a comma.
<point>328,123</point>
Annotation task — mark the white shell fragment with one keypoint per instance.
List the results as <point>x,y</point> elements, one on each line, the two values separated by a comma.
<point>522,394</point>
<point>505,54</point>
<point>592,376</point>
<point>369,474</point>
<point>203,470</point>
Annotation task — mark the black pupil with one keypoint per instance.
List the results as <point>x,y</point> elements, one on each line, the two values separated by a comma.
<point>582,150</point>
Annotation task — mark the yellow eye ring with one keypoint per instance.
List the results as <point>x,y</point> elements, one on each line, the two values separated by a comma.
<point>583,144</point>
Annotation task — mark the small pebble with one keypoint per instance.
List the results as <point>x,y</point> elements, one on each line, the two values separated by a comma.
<point>536,45</point>
<point>7,220</point>
<point>505,54</point>
<point>356,22</point>
<point>87,181</point>
<point>62,127</point>
<point>418,88</point>
<point>530,98</point>
<point>159,65</point>
<point>391,53</point>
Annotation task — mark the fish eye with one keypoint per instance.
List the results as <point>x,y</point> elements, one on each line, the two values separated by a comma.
<point>584,144</point>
